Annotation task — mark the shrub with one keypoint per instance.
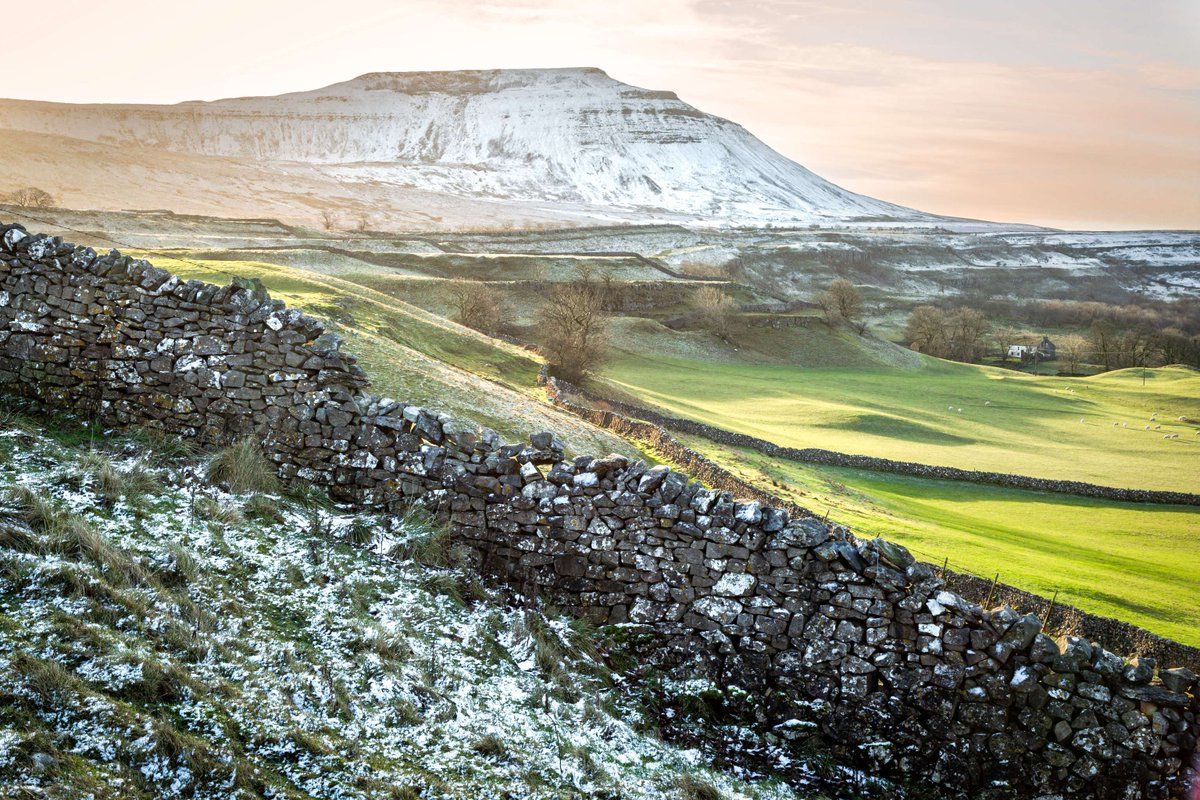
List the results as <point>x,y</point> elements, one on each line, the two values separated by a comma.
<point>479,306</point>
<point>714,309</point>
<point>841,302</point>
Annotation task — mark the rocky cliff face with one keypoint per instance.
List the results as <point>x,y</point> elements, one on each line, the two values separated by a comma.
<point>564,136</point>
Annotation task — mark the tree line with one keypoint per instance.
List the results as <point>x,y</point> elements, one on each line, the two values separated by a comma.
<point>966,334</point>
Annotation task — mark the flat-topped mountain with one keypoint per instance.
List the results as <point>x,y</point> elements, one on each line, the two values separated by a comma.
<point>575,138</point>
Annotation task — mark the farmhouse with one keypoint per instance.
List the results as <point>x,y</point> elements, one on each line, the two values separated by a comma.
<point>1045,350</point>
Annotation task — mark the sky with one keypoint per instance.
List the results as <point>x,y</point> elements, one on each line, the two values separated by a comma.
<point>1070,113</point>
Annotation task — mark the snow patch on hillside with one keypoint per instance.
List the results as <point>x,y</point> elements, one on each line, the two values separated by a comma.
<point>572,136</point>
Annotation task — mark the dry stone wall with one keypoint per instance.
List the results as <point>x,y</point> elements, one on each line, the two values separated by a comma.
<point>855,636</point>
<point>1117,635</point>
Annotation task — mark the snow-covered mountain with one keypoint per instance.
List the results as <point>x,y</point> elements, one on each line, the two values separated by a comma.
<point>565,136</point>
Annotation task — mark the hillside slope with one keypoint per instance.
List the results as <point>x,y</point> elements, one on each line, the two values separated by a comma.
<point>160,637</point>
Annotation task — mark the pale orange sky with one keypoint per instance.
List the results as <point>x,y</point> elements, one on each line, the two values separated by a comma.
<point>1070,113</point>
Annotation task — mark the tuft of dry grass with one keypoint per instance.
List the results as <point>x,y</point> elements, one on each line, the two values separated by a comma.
<point>242,468</point>
<point>490,746</point>
<point>211,510</point>
<point>427,543</point>
<point>695,788</point>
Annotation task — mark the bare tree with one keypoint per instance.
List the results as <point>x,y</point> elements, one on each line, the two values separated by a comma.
<point>1176,347</point>
<point>478,306</point>
<point>572,327</point>
<point>31,197</point>
<point>714,309</point>
<point>841,302</point>
<point>1072,349</point>
<point>1104,340</point>
<point>1004,336</point>
<point>966,331</point>
<point>328,218</point>
<point>363,224</point>
<point>926,330</point>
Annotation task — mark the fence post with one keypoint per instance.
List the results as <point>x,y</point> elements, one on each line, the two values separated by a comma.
<point>944,563</point>
<point>988,603</point>
<point>1049,610</point>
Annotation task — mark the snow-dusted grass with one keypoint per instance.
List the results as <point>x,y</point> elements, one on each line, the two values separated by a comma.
<point>161,638</point>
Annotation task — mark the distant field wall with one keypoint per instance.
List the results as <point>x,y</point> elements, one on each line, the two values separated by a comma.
<point>851,640</point>
<point>815,455</point>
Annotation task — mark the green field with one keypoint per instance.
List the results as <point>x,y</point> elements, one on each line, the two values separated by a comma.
<point>1130,561</point>
<point>944,413</point>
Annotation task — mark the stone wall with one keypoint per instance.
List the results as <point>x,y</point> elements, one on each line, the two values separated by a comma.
<point>1058,616</point>
<point>855,635</point>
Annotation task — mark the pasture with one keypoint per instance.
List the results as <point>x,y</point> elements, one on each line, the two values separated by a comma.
<point>1108,429</point>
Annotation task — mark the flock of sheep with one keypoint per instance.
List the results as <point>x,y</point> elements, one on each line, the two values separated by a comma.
<point>1153,418</point>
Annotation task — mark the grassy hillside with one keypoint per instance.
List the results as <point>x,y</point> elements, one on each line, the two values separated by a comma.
<point>417,356</point>
<point>937,412</point>
<point>163,638</point>
<point>1130,561</point>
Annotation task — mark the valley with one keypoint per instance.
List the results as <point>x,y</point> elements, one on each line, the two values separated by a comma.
<point>796,401</point>
<point>783,376</point>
